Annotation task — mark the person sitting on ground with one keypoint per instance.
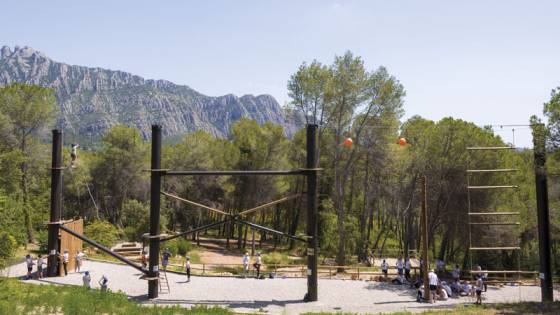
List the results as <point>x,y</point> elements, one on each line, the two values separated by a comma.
<point>416,283</point>
<point>433,282</point>
<point>399,280</point>
<point>188,268</point>
<point>407,267</point>
<point>447,288</point>
<point>456,273</point>
<point>441,293</point>
<point>29,262</point>
<point>420,293</point>
<point>40,263</point>
<point>466,288</point>
<point>165,258</point>
<point>87,280</point>
<point>400,266</point>
<point>478,288</point>
<point>385,268</point>
<point>103,282</point>
<point>455,288</point>
<point>257,264</point>
<point>245,264</point>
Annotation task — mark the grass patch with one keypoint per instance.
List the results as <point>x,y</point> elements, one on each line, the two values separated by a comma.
<point>21,298</point>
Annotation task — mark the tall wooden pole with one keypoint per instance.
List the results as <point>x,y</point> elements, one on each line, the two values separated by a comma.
<point>425,238</point>
<point>542,212</point>
<point>155,198</point>
<point>56,202</point>
<point>312,242</point>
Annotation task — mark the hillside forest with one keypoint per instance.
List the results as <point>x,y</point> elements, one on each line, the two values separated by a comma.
<point>369,192</point>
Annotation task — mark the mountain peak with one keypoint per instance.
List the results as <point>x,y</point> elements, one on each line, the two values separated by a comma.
<point>94,99</point>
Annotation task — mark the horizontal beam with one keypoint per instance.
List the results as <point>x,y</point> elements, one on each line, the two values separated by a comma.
<point>204,227</point>
<point>498,170</point>
<point>503,271</point>
<point>192,203</point>
<point>103,248</point>
<point>490,148</point>
<point>496,248</point>
<point>494,213</point>
<point>268,204</point>
<point>493,187</point>
<point>271,231</point>
<point>494,223</point>
<point>241,173</point>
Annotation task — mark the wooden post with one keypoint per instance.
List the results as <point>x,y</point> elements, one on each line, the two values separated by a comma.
<point>425,237</point>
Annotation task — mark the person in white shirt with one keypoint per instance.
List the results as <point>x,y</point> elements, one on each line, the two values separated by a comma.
<point>103,282</point>
<point>74,154</point>
<point>385,268</point>
<point>65,259</point>
<point>29,262</point>
<point>87,280</point>
<point>79,260</point>
<point>40,263</point>
<point>245,264</point>
<point>407,267</point>
<point>188,268</point>
<point>441,293</point>
<point>400,266</point>
<point>478,287</point>
<point>433,281</point>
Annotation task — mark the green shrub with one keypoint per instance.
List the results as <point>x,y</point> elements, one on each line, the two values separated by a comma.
<point>102,232</point>
<point>8,245</point>
<point>42,237</point>
<point>178,246</point>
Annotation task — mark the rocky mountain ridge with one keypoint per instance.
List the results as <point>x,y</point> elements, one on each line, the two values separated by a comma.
<point>94,99</point>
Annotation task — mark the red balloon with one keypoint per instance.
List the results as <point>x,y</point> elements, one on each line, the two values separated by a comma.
<point>402,142</point>
<point>348,142</point>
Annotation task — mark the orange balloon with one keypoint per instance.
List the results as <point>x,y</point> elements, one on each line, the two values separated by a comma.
<point>348,142</point>
<point>402,142</point>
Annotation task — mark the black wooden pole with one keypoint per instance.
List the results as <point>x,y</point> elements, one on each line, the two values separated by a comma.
<point>56,197</point>
<point>542,213</point>
<point>153,272</point>
<point>312,244</point>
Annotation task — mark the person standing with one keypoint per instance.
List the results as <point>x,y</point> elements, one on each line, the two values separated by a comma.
<point>65,259</point>
<point>456,273</point>
<point>245,264</point>
<point>87,280</point>
<point>103,282</point>
<point>74,154</point>
<point>29,262</point>
<point>40,263</point>
<point>188,268</point>
<point>165,258</point>
<point>407,267</point>
<point>400,266</point>
<point>79,260</point>
<point>478,287</point>
<point>257,264</point>
<point>433,281</point>
<point>385,268</point>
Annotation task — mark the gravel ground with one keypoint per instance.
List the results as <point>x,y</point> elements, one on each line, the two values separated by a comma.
<point>276,295</point>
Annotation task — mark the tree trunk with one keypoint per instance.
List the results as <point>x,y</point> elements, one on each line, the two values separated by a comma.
<point>25,192</point>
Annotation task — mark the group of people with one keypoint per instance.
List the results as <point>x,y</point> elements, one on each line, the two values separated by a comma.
<point>41,261</point>
<point>403,270</point>
<point>442,290</point>
<point>257,265</point>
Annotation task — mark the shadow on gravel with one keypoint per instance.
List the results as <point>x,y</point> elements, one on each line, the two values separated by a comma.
<point>226,303</point>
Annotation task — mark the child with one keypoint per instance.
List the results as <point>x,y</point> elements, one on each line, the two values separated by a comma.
<point>188,267</point>
<point>145,259</point>
<point>479,285</point>
<point>40,263</point>
<point>30,263</point>
<point>245,264</point>
<point>87,280</point>
<point>103,283</point>
<point>74,154</point>
<point>257,264</point>
<point>385,268</point>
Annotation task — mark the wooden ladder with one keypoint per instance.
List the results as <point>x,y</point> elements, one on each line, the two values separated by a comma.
<point>163,283</point>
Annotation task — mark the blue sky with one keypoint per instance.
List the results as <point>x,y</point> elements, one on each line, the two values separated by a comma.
<point>490,62</point>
